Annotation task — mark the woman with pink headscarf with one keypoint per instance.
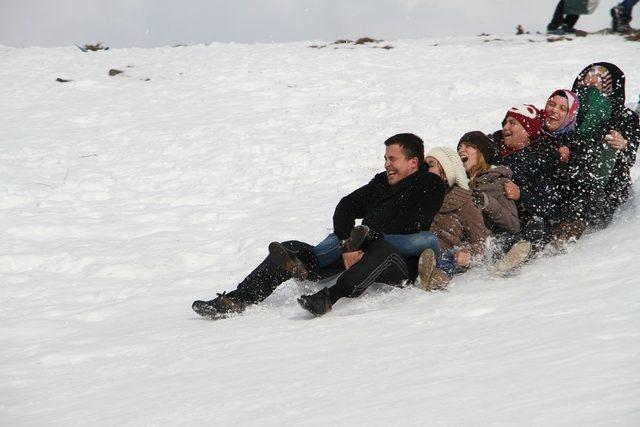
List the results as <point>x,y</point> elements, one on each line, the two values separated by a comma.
<point>561,142</point>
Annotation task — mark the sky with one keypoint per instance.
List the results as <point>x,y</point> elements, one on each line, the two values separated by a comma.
<point>149,23</point>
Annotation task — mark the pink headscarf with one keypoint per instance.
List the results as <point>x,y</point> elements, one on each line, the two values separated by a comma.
<point>573,104</point>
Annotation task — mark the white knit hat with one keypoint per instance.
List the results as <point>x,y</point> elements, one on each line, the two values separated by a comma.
<point>452,165</point>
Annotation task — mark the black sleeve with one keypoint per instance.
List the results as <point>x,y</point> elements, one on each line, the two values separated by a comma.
<point>630,130</point>
<point>350,208</point>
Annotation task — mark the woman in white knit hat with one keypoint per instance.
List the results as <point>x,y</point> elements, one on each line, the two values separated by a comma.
<point>458,225</point>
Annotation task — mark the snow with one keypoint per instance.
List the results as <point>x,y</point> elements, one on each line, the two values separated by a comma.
<point>124,199</point>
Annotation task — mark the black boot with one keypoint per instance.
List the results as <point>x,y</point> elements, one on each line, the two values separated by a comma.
<point>218,308</point>
<point>318,303</point>
<point>619,20</point>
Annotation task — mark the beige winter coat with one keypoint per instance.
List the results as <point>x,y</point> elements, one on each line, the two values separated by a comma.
<point>500,213</point>
<point>459,222</point>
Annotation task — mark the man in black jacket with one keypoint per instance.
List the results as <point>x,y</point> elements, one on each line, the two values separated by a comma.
<point>402,200</point>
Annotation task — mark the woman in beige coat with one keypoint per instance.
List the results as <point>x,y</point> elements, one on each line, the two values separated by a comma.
<point>458,225</point>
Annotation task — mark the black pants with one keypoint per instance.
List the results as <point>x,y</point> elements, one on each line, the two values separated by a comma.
<point>560,18</point>
<point>380,263</point>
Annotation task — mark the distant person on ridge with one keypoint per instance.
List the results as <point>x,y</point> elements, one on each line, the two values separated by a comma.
<point>567,13</point>
<point>401,201</point>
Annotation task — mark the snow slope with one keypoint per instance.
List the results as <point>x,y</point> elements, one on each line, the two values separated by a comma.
<point>123,199</point>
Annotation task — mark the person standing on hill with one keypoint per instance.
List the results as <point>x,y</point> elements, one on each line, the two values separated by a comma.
<point>562,23</point>
<point>567,13</point>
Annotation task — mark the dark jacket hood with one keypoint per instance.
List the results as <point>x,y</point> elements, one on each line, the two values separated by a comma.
<point>617,84</point>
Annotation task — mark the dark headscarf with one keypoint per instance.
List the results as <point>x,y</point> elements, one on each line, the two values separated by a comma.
<point>617,96</point>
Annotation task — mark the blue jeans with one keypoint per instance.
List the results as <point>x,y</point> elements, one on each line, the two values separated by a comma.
<point>627,8</point>
<point>407,245</point>
<point>448,262</point>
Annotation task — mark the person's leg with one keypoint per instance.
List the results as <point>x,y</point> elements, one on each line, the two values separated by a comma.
<point>448,262</point>
<point>256,287</point>
<point>380,263</point>
<point>621,16</point>
<point>409,245</point>
<point>570,21</point>
<point>558,16</point>
<point>265,278</point>
<point>535,230</point>
<point>330,249</point>
<point>627,12</point>
<point>627,9</point>
<point>327,251</point>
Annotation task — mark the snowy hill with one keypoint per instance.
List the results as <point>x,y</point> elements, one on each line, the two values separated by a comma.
<point>124,198</point>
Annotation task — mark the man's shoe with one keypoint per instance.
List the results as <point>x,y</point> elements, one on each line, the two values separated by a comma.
<point>625,29</point>
<point>514,258</point>
<point>318,303</point>
<point>218,308</point>
<point>358,235</point>
<point>556,31</point>
<point>287,260</point>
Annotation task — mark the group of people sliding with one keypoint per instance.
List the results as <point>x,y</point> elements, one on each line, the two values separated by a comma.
<point>544,179</point>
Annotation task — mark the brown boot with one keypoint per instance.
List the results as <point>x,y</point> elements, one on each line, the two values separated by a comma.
<point>358,235</point>
<point>287,260</point>
<point>569,230</point>
<point>439,280</point>
<point>426,266</point>
<point>517,255</point>
<point>430,278</point>
<point>566,232</point>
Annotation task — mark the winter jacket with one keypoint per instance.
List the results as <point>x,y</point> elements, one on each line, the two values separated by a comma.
<point>568,178</point>
<point>598,156</point>
<point>626,122</point>
<point>404,208</point>
<point>500,213</point>
<point>459,222</point>
<point>533,174</point>
<point>619,183</point>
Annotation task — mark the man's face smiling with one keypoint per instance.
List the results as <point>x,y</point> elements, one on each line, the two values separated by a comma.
<point>397,165</point>
<point>515,136</point>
